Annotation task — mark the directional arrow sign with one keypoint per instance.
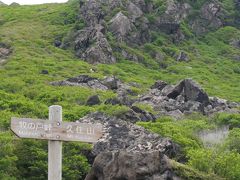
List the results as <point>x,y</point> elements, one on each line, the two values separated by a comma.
<point>59,131</point>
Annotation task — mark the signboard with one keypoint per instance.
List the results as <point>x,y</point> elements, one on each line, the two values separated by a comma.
<point>55,131</point>
<point>58,131</point>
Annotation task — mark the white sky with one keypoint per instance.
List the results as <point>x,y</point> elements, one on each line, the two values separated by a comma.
<point>33,1</point>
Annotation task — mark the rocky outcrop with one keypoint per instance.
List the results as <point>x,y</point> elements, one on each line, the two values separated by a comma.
<point>235,43</point>
<point>5,51</point>
<point>210,18</point>
<point>111,23</point>
<point>92,45</point>
<point>184,98</point>
<point>131,166</point>
<point>159,85</point>
<point>190,91</point>
<point>93,100</point>
<point>127,151</point>
<point>170,20</point>
<point>123,135</point>
<point>120,26</point>
<point>90,82</point>
<point>182,57</point>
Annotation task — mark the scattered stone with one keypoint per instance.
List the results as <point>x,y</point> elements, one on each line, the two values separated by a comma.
<point>93,100</point>
<point>177,114</point>
<point>184,98</point>
<point>129,116</point>
<point>57,43</point>
<point>44,71</point>
<point>82,81</point>
<point>235,43</point>
<point>112,101</point>
<point>111,82</point>
<point>159,85</point>
<point>182,57</point>
<point>5,51</point>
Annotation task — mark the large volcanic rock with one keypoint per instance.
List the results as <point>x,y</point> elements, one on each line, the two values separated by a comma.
<point>123,165</point>
<point>120,26</point>
<point>123,135</point>
<point>190,90</point>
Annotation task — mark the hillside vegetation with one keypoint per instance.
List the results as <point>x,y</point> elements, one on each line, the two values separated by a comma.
<point>25,90</point>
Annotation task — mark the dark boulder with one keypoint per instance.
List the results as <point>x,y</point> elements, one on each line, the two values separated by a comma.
<point>111,82</point>
<point>81,79</point>
<point>122,165</point>
<point>57,43</point>
<point>129,116</point>
<point>93,100</point>
<point>143,115</point>
<point>112,101</point>
<point>44,71</point>
<point>182,56</point>
<point>190,90</point>
<point>159,85</point>
<point>5,50</point>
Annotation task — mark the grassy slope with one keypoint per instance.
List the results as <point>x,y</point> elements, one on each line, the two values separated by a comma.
<point>31,30</point>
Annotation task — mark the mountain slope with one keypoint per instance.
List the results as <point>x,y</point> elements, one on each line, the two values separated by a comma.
<point>32,34</point>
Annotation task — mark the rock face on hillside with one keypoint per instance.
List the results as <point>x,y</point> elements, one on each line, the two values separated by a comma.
<point>210,18</point>
<point>5,51</point>
<point>186,97</point>
<point>2,4</point>
<point>135,23</point>
<point>131,166</point>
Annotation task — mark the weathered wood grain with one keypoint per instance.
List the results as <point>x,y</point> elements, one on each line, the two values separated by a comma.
<point>59,131</point>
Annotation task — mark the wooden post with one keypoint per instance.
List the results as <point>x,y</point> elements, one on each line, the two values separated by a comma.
<point>55,147</point>
<point>56,131</point>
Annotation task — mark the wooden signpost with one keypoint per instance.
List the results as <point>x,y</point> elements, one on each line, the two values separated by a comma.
<point>55,131</point>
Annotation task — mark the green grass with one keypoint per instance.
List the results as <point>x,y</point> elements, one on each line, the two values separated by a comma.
<point>25,92</point>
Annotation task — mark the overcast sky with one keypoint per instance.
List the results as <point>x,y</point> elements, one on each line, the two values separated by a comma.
<point>32,1</point>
